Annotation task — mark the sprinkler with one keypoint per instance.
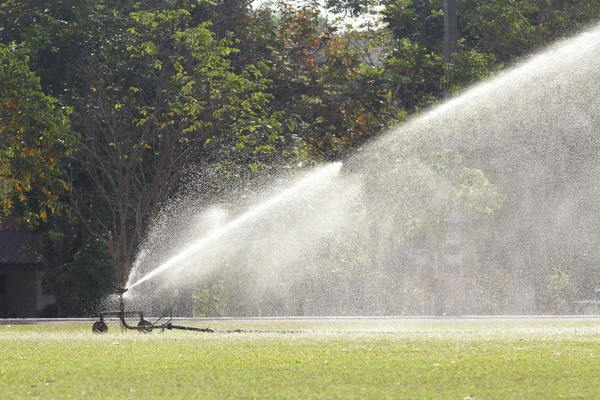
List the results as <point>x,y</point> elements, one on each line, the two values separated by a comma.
<point>143,325</point>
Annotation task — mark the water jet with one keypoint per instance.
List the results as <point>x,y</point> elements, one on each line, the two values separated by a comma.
<point>375,240</point>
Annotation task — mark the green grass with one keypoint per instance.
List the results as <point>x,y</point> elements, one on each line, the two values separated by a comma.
<point>432,359</point>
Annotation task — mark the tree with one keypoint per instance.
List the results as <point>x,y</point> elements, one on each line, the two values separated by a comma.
<point>334,97</point>
<point>163,99</point>
<point>78,269</point>
<point>35,135</point>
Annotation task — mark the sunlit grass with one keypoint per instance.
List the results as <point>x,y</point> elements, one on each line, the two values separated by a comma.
<point>372,359</point>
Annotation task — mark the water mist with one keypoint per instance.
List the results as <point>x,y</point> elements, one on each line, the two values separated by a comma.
<point>510,167</point>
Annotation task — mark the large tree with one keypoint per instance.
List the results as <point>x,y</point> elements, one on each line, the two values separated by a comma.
<point>159,98</point>
<point>34,135</point>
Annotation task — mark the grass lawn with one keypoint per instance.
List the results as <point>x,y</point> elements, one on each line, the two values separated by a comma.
<point>415,359</point>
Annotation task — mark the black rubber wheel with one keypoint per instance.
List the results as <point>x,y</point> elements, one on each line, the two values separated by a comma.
<point>99,327</point>
<point>145,326</point>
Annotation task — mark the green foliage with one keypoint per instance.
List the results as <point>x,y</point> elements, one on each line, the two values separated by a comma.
<point>560,288</point>
<point>82,282</point>
<point>472,193</point>
<point>208,300</point>
<point>332,100</point>
<point>34,135</point>
<point>60,34</point>
<point>467,67</point>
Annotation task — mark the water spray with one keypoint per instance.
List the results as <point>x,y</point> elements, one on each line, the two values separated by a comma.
<point>319,176</point>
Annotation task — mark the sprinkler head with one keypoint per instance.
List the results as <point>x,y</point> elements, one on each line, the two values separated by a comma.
<point>121,290</point>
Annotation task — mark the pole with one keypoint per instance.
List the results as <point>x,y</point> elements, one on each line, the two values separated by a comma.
<point>450,30</point>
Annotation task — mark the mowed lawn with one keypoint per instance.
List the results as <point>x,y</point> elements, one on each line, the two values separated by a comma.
<point>413,359</point>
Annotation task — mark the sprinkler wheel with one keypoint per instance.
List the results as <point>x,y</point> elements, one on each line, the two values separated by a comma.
<point>99,327</point>
<point>144,326</point>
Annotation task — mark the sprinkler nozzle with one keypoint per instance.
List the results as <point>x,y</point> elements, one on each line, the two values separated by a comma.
<point>120,290</point>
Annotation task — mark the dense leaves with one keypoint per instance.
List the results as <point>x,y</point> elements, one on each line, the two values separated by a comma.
<point>34,135</point>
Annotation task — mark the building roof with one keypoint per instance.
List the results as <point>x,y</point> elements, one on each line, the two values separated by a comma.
<point>11,241</point>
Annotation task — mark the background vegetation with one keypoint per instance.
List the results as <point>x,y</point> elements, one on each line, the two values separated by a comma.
<point>106,107</point>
